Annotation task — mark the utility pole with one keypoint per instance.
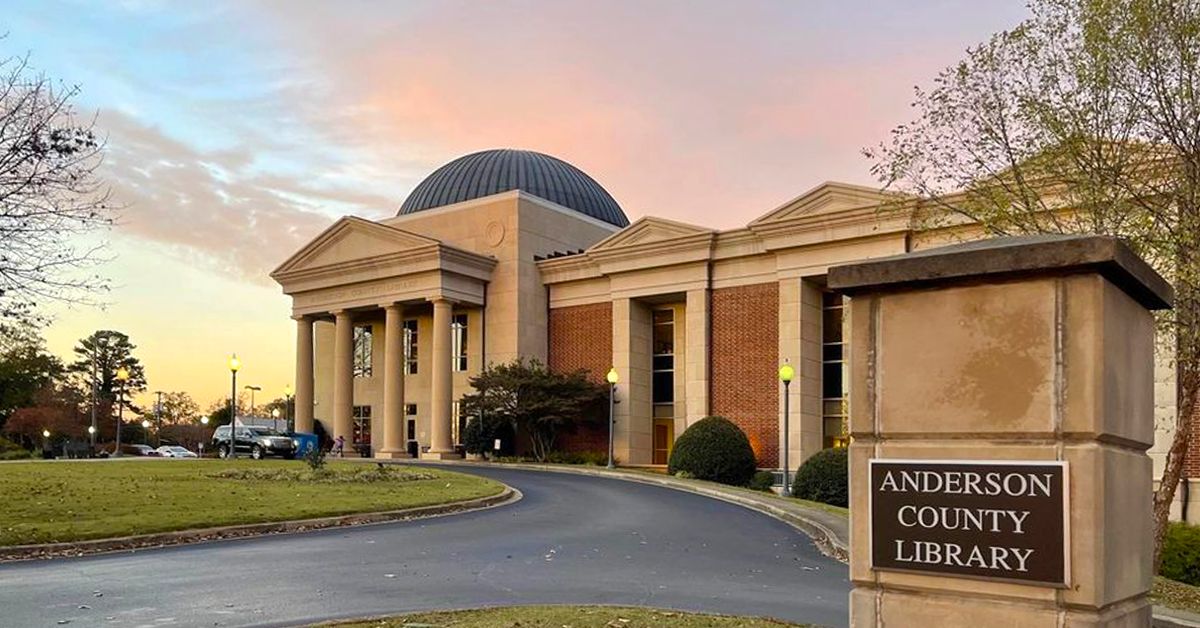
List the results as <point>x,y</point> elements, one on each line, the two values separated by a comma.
<point>158,418</point>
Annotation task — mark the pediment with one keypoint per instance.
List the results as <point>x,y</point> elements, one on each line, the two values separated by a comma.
<point>352,239</point>
<point>827,198</point>
<point>647,230</point>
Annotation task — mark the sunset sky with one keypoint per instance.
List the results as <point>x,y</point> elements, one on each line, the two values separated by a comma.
<point>238,130</point>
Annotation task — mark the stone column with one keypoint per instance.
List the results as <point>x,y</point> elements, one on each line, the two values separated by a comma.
<point>1021,359</point>
<point>343,378</point>
<point>304,375</point>
<point>697,360</point>
<point>632,359</point>
<point>441,389</point>
<point>393,383</point>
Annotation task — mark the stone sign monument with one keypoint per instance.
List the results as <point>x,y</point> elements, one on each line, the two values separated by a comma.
<point>1000,415</point>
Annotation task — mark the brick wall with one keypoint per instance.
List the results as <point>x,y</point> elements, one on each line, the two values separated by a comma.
<point>745,350</point>
<point>1191,460</point>
<point>581,338</point>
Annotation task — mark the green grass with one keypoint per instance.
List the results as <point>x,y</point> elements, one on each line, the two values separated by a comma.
<point>567,617</point>
<point>44,502</point>
<point>1177,595</point>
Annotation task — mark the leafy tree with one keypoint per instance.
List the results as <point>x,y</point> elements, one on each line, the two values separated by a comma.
<point>59,409</point>
<point>218,411</point>
<point>178,408</point>
<point>25,368</point>
<point>535,401</point>
<point>1083,119</point>
<point>106,351</point>
<point>49,194</point>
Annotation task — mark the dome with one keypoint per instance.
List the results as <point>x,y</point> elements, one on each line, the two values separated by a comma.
<point>494,171</point>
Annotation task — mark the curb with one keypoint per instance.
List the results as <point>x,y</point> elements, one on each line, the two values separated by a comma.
<point>46,551</point>
<point>828,531</point>
<point>1171,618</point>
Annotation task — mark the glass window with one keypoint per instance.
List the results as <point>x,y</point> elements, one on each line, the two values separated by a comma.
<point>410,347</point>
<point>458,339</point>
<point>362,351</point>
<point>362,425</point>
<point>662,385</point>
<point>833,370</point>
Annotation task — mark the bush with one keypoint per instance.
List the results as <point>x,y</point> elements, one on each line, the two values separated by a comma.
<point>825,478</point>
<point>12,451</point>
<point>714,449</point>
<point>477,438</point>
<point>315,459</point>
<point>1181,554</point>
<point>762,481</point>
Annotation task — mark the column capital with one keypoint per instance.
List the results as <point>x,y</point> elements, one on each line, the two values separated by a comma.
<point>340,313</point>
<point>392,306</point>
<point>301,317</point>
<point>440,299</point>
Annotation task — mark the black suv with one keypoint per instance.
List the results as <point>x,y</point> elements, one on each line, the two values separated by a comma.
<point>259,442</point>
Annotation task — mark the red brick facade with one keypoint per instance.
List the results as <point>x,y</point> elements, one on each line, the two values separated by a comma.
<point>1191,460</point>
<point>745,350</point>
<point>581,338</point>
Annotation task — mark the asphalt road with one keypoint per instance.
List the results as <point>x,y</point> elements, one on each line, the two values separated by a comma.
<point>572,539</point>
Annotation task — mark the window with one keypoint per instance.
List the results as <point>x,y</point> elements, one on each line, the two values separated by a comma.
<point>833,370</point>
<point>362,425</point>
<point>458,339</point>
<point>362,350</point>
<point>663,347</point>
<point>410,347</point>
<point>411,411</point>
<point>455,424</point>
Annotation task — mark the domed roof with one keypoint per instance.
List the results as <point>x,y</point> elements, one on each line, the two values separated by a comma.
<point>494,171</point>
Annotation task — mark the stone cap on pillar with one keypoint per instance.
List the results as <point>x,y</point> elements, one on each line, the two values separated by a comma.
<point>1008,258</point>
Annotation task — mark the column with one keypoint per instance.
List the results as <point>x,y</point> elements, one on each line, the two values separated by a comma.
<point>343,378</point>
<point>697,358</point>
<point>441,384</point>
<point>393,384</point>
<point>304,375</point>
<point>632,359</point>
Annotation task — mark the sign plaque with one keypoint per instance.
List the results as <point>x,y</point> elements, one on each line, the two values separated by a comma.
<point>999,520</point>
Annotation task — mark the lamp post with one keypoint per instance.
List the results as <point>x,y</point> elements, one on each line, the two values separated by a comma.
<point>146,432</point>
<point>275,418</point>
<point>158,418</point>
<point>122,377</point>
<point>612,390</point>
<point>287,409</point>
<point>234,365</point>
<point>45,443</point>
<point>252,389</point>
<point>786,373</point>
<point>204,422</point>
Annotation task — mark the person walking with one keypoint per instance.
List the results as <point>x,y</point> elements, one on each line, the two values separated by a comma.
<point>341,446</point>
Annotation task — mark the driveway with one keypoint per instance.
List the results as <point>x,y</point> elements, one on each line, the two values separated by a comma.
<point>572,539</point>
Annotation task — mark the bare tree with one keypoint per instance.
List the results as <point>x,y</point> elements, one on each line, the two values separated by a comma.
<point>50,195</point>
<point>1085,118</point>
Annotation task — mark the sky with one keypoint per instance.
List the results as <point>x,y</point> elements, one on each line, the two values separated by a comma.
<point>237,130</point>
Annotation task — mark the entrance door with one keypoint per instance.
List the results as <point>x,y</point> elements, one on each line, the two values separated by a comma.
<point>664,439</point>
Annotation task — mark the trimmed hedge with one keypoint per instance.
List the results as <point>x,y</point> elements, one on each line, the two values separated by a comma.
<point>1181,554</point>
<point>762,481</point>
<point>825,478</point>
<point>714,449</point>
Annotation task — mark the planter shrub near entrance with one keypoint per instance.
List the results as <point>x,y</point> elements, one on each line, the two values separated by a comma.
<point>714,449</point>
<point>1181,554</point>
<point>825,478</point>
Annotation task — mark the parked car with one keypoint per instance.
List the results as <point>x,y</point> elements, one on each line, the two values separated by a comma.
<point>259,442</point>
<point>175,451</point>
<point>136,450</point>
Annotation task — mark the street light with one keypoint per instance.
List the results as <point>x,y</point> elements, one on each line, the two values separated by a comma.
<point>234,365</point>
<point>786,373</point>
<point>612,378</point>
<point>122,376</point>
<point>287,409</point>
<point>252,389</point>
<point>146,432</point>
<point>275,418</point>
<point>204,422</point>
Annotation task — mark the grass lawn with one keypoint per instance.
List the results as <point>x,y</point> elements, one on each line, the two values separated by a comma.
<point>45,502</point>
<point>567,617</point>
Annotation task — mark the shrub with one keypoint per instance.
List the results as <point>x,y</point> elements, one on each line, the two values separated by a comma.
<point>714,449</point>
<point>824,478</point>
<point>477,438</point>
<point>12,451</point>
<point>1181,554</point>
<point>762,481</point>
<point>315,459</point>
